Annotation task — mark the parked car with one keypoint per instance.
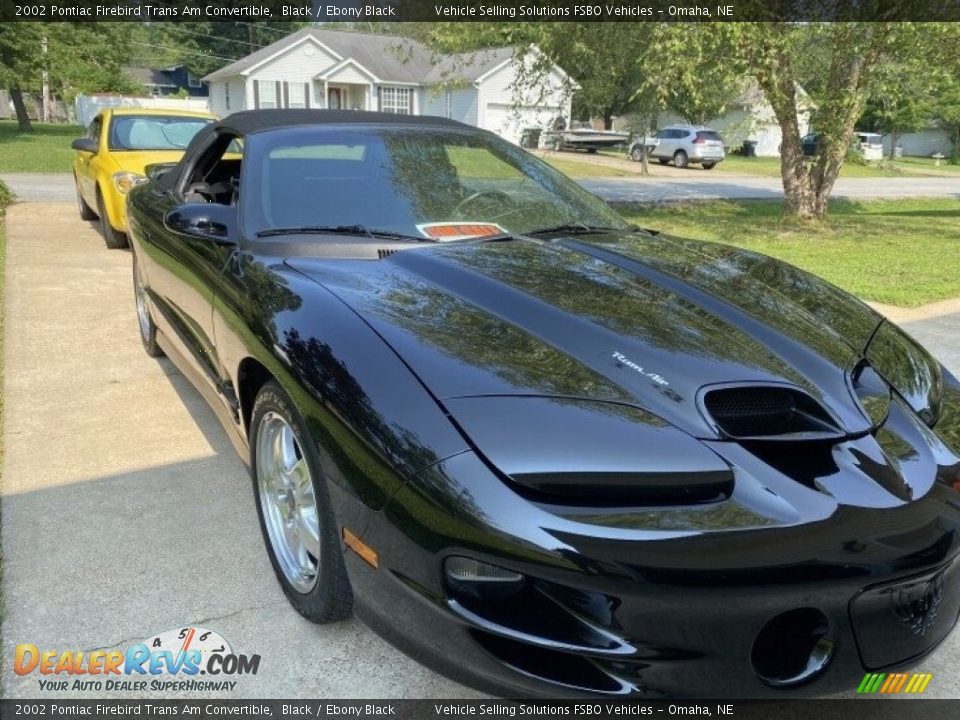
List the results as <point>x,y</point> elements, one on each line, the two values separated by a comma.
<point>111,157</point>
<point>682,144</point>
<point>871,145</point>
<point>542,450</point>
<point>868,145</point>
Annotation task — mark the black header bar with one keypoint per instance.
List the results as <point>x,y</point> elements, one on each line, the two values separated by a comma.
<point>480,10</point>
<point>596,709</point>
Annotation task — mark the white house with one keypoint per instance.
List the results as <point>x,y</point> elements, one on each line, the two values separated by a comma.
<point>322,68</point>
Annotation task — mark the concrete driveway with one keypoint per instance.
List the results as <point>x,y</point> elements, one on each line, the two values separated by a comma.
<point>675,186</point>
<point>126,511</point>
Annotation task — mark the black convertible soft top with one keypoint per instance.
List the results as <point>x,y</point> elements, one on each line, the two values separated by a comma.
<point>249,121</point>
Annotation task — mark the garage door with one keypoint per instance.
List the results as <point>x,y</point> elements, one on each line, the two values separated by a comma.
<point>508,121</point>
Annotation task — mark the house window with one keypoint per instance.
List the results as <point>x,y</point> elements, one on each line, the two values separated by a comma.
<point>268,94</point>
<point>193,81</point>
<point>226,95</point>
<point>296,95</point>
<point>396,100</point>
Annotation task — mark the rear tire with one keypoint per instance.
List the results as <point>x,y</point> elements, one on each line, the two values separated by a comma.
<point>293,505</point>
<point>680,159</point>
<point>709,166</point>
<point>636,154</point>
<point>663,161</point>
<point>114,239</point>
<point>86,212</point>
<point>148,330</point>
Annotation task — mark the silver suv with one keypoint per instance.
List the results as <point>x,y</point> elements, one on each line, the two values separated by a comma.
<point>683,144</point>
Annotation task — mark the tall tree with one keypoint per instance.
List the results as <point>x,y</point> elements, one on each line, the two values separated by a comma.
<point>835,62</point>
<point>20,64</point>
<point>901,100</point>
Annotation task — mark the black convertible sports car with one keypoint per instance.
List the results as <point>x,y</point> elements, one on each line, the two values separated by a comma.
<point>543,451</point>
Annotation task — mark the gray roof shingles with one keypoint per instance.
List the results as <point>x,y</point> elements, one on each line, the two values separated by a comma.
<point>390,58</point>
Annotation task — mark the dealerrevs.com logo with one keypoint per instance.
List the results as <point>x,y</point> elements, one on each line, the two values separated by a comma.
<point>171,661</point>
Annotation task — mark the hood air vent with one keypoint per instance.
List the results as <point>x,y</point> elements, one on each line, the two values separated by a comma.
<point>768,412</point>
<point>384,253</point>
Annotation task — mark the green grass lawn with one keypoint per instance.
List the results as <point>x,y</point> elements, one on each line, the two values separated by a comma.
<point>770,167</point>
<point>581,169</point>
<point>900,252</point>
<point>45,150</point>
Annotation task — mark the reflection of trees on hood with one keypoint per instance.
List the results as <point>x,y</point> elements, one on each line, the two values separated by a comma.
<point>778,294</point>
<point>618,299</point>
<point>315,362</point>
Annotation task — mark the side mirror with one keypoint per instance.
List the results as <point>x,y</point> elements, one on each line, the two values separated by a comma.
<point>209,221</point>
<point>84,144</point>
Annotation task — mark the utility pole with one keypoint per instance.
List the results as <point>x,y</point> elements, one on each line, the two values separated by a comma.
<point>46,80</point>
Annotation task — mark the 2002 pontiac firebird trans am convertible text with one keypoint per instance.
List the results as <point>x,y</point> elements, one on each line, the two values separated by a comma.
<point>540,450</point>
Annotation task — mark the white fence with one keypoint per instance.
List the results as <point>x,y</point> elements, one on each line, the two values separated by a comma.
<point>89,105</point>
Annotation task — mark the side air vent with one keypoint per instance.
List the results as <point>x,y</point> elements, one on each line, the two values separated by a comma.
<point>384,253</point>
<point>769,412</point>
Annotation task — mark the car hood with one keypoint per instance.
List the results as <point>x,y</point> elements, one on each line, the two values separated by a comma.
<point>638,319</point>
<point>136,161</point>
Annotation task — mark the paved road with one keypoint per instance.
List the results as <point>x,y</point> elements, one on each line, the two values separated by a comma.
<point>716,186</point>
<point>126,511</point>
<point>35,187</point>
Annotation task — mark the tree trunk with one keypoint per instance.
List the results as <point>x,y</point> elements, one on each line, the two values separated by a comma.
<point>893,144</point>
<point>23,119</point>
<point>608,121</point>
<point>644,168</point>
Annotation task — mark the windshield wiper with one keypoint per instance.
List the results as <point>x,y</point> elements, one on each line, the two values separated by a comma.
<point>577,229</point>
<point>356,230</point>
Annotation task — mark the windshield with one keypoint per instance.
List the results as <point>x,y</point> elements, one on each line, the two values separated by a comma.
<point>154,132</point>
<point>435,184</point>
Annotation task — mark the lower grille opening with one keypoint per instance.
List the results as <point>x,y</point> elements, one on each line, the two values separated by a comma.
<point>757,411</point>
<point>793,648</point>
<point>529,611</point>
<point>803,461</point>
<point>556,667</point>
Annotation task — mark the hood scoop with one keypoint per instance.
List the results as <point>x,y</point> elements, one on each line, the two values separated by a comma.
<point>767,412</point>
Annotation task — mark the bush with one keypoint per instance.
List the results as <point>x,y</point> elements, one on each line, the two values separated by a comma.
<point>854,156</point>
<point>6,197</point>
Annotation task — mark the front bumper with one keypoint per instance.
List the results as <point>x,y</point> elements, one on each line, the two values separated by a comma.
<point>624,611</point>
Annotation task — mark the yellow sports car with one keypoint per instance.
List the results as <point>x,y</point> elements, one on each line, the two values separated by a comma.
<point>112,157</point>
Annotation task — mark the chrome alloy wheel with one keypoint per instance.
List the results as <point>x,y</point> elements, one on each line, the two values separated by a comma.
<point>143,313</point>
<point>288,502</point>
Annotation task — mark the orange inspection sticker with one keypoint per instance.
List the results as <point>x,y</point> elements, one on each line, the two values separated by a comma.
<point>446,231</point>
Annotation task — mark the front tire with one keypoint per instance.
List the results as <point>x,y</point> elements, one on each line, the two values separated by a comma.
<point>114,239</point>
<point>86,212</point>
<point>293,505</point>
<point>709,166</point>
<point>148,330</point>
<point>680,159</point>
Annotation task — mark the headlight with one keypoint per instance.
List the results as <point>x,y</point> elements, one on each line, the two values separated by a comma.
<point>909,369</point>
<point>126,181</point>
